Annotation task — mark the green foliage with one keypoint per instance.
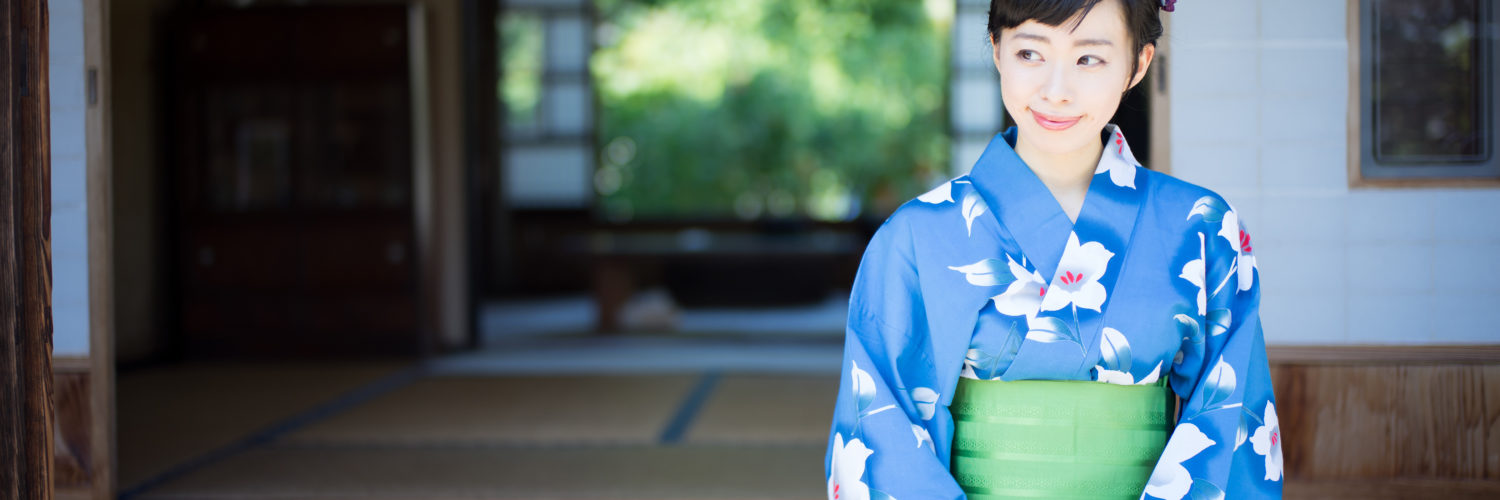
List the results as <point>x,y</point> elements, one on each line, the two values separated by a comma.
<point>769,108</point>
<point>521,56</point>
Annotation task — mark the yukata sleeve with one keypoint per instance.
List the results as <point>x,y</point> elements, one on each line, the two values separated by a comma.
<point>1227,442</point>
<point>887,414</point>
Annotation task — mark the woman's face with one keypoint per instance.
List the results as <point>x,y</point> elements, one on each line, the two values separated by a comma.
<point>1061,85</point>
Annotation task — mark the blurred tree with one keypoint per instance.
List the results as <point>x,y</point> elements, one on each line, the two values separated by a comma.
<point>769,108</point>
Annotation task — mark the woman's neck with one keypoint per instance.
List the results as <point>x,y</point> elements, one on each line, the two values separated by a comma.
<point>1066,175</point>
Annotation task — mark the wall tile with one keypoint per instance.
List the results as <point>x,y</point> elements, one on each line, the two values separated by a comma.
<point>1300,219</point>
<point>1390,319</point>
<point>1201,22</point>
<point>1383,216</point>
<point>1300,318</point>
<point>70,278</point>
<point>70,330</point>
<point>1465,215</point>
<point>1302,118</point>
<point>69,180</point>
<point>1301,268</point>
<point>1230,167</point>
<point>1389,269</point>
<point>1304,165</point>
<point>1466,267</point>
<point>1213,70</point>
<point>1318,71</point>
<point>1302,19</point>
<point>69,232</point>
<point>1216,120</point>
<point>1463,318</point>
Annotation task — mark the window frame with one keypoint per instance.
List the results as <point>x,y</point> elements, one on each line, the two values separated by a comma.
<point>1364,168</point>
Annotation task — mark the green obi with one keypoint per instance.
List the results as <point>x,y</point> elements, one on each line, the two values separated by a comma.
<point>1057,438</point>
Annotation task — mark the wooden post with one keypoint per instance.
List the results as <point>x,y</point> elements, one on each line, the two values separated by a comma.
<point>25,255</point>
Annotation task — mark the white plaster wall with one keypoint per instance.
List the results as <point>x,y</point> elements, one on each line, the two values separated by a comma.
<point>1259,114</point>
<point>70,245</point>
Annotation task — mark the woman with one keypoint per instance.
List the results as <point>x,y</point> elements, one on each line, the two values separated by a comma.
<point>1021,331</point>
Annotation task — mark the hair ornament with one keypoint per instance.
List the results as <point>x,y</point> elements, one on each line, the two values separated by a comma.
<point>1168,5</point>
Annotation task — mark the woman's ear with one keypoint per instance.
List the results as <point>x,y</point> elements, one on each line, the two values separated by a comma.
<point>995,52</point>
<point>1143,62</point>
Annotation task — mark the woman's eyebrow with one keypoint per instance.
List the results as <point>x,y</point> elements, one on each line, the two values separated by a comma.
<point>1081,43</point>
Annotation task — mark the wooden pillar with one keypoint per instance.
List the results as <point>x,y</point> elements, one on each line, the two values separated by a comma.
<point>25,254</point>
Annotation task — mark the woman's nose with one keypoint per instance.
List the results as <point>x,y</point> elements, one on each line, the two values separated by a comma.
<point>1059,86</point>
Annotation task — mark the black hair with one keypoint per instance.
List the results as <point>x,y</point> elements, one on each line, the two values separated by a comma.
<point>1142,18</point>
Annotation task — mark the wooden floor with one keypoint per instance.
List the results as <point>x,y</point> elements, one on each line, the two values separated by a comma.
<point>399,431</point>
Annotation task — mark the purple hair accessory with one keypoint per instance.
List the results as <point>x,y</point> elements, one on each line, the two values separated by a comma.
<point>1168,5</point>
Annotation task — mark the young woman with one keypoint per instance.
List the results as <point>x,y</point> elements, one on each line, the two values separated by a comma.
<point>1023,331</point>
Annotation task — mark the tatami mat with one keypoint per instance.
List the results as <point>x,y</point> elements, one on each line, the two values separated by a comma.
<point>676,472</point>
<point>477,410</point>
<point>170,415</point>
<point>643,354</point>
<point>767,409</point>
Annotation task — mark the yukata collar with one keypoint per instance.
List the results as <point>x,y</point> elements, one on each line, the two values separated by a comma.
<point>1027,210</point>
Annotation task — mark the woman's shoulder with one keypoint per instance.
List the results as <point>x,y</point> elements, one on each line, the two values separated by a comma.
<point>1195,202</point>
<point>1169,189</point>
<point>1193,209</point>
<point>955,195</point>
<point>951,205</point>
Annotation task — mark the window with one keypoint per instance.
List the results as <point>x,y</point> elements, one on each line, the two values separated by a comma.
<point>546,103</point>
<point>1427,69</point>
<point>770,109</point>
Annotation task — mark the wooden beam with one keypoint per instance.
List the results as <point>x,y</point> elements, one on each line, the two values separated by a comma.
<point>25,254</point>
<point>1383,354</point>
<point>100,178</point>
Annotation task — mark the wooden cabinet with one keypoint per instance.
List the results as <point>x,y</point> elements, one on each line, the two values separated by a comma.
<point>291,141</point>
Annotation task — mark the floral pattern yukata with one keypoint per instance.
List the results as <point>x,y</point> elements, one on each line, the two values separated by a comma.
<point>985,277</point>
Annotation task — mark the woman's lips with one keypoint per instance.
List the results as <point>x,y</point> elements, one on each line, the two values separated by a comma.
<point>1050,122</point>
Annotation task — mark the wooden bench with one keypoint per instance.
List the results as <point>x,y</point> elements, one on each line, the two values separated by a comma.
<point>1389,422</point>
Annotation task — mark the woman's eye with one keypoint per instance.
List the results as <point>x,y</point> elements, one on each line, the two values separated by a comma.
<point>1090,61</point>
<point>1029,55</point>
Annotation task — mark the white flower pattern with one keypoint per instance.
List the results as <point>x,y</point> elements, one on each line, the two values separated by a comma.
<point>1170,480</point>
<point>1193,271</point>
<point>1078,273</point>
<point>1024,295</point>
<point>1118,160</point>
<point>1118,377</point>
<point>1267,441</point>
<point>846,481</point>
<point>1244,260</point>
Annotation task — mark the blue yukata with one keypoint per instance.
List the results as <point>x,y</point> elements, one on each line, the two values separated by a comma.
<point>985,277</point>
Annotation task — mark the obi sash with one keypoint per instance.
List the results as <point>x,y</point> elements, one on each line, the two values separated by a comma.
<point>1057,438</point>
